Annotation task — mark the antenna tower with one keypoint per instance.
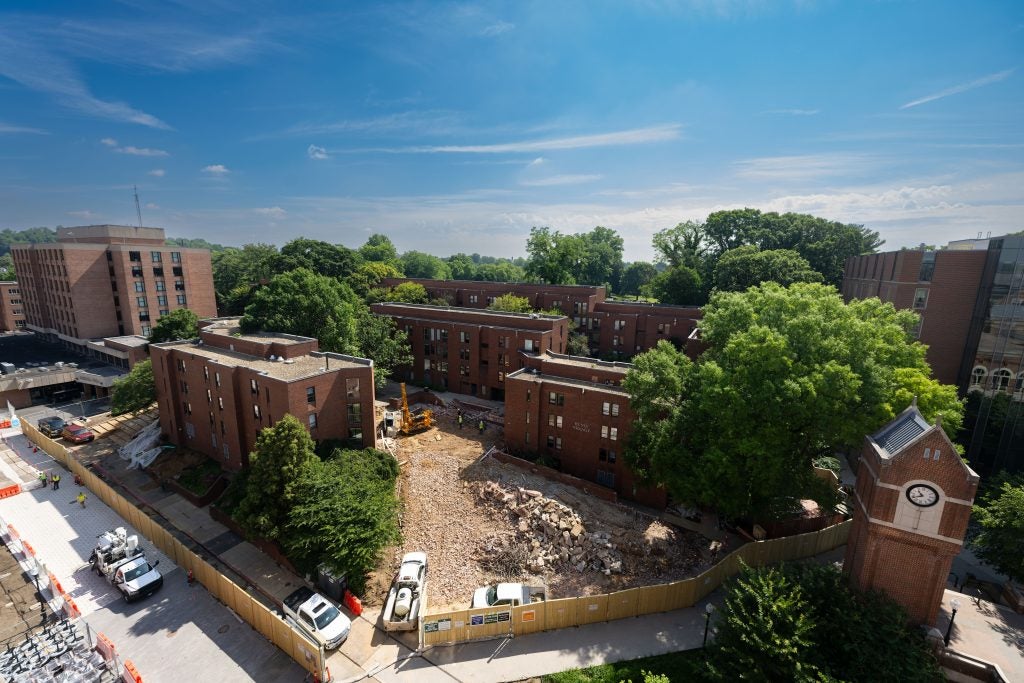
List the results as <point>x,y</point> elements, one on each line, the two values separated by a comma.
<point>138,211</point>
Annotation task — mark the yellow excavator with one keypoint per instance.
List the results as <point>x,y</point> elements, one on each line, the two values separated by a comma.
<point>413,424</point>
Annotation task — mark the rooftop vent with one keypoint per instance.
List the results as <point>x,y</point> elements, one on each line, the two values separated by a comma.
<point>289,361</point>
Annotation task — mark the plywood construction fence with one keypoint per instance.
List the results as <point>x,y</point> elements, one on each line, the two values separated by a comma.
<point>288,639</point>
<point>447,628</point>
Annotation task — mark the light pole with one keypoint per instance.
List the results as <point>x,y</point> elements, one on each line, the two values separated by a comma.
<point>708,610</point>
<point>949,629</point>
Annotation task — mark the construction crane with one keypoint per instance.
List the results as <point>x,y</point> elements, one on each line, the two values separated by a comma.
<point>411,424</point>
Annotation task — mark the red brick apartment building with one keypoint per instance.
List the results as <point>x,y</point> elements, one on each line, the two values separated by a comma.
<point>575,409</point>
<point>472,351</point>
<point>216,394</point>
<point>614,329</point>
<point>108,280</point>
<point>12,307</point>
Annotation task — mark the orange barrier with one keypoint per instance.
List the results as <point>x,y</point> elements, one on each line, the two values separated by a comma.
<point>105,647</point>
<point>353,603</point>
<point>4,424</point>
<point>71,607</point>
<point>14,534</point>
<point>131,674</point>
<point>55,584</point>
<point>29,550</point>
<point>8,491</point>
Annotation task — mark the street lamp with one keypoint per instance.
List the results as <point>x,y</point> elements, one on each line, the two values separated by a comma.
<point>708,610</point>
<point>949,629</point>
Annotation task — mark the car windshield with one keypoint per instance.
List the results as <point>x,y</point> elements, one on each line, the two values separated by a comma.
<point>136,572</point>
<point>327,616</point>
<point>492,595</point>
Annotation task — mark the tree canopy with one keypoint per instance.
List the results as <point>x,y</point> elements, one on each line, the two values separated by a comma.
<point>379,338</point>
<point>590,258</point>
<point>636,276</point>
<point>746,266</point>
<point>510,303</point>
<point>180,323</point>
<point>790,374</point>
<point>134,392</point>
<point>305,303</point>
<point>679,285</point>
<point>29,236</point>
<point>419,264</point>
<point>1000,514</point>
<point>379,248</point>
<point>332,260</point>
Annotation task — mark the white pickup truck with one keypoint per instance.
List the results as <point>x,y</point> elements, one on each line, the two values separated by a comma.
<point>507,595</point>
<point>407,597</point>
<point>119,559</point>
<point>318,617</point>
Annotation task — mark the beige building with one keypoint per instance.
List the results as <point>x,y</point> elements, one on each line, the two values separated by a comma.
<point>12,308</point>
<point>101,281</point>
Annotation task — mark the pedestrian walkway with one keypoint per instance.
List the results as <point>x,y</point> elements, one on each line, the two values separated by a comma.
<point>990,632</point>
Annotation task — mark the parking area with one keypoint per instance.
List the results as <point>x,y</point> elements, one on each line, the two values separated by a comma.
<point>180,633</point>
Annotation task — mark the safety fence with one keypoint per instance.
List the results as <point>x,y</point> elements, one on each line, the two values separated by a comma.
<point>447,628</point>
<point>275,629</point>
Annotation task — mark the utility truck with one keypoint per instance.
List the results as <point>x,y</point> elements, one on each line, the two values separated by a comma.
<point>119,559</point>
<point>317,617</point>
<point>508,595</point>
<point>407,597</point>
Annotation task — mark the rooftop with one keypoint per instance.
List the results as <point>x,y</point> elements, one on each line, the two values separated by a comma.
<point>907,426</point>
<point>590,363</point>
<point>286,370</point>
<point>231,327</point>
<point>531,375</point>
<point>133,340</point>
<point>478,312</point>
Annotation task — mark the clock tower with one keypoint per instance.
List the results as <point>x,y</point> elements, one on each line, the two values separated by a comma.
<point>913,499</point>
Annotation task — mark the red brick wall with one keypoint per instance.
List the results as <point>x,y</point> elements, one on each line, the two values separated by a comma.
<point>12,307</point>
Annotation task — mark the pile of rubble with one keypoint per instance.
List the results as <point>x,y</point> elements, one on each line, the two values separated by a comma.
<point>552,534</point>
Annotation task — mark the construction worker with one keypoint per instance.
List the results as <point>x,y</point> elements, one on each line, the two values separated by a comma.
<point>55,480</point>
<point>481,425</point>
<point>81,498</point>
<point>43,478</point>
<point>459,419</point>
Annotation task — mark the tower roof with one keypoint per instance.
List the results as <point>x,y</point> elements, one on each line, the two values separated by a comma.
<point>904,429</point>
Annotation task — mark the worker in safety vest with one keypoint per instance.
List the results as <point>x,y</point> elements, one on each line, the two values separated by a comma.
<point>81,498</point>
<point>55,480</point>
<point>43,478</point>
<point>459,419</point>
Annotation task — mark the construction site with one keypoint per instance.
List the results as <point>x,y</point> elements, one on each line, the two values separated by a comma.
<point>481,520</point>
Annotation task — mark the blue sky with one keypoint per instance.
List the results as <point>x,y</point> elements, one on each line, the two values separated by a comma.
<point>458,126</point>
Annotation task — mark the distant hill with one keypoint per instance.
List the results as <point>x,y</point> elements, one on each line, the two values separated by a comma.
<point>198,243</point>
<point>32,236</point>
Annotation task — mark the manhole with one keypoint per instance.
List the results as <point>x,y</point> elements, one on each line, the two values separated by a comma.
<point>223,629</point>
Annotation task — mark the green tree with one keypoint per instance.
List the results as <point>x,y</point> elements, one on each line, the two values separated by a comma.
<point>591,258</point>
<point>409,293</point>
<point>7,268</point>
<point>29,236</point>
<point>194,243</point>
<point>679,285</point>
<point>683,245</point>
<point>462,267</point>
<point>746,266</point>
<point>636,276</point>
<point>304,303</point>
<point>345,514</point>
<point>180,323</point>
<point>1000,513</point>
<point>379,339</point>
<point>134,392</point>
<point>578,345</point>
<point>502,271</point>
<point>237,272</point>
<point>419,264</point>
<point>283,453</point>
<point>790,374</point>
<point>510,303</point>
<point>367,277</point>
<point>379,248</point>
<point>320,257</point>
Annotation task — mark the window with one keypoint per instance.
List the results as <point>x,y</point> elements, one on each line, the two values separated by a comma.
<point>915,331</point>
<point>355,434</point>
<point>254,386</point>
<point>141,301</point>
<point>311,395</point>
<point>179,285</point>
<point>178,272</point>
<point>143,317</point>
<point>602,454</point>
<point>160,286</point>
<point>181,365</point>
<point>978,375</point>
<point>216,378</point>
<point>206,373</point>
<point>463,337</point>
<point>616,341</point>
<point>256,412</point>
<point>161,299</point>
<point>555,421</point>
<point>604,432</point>
<point>1001,379</point>
<point>920,298</point>
<point>312,420</point>
<point>136,271</point>
<point>354,413</point>
<point>614,436</point>
<point>611,456</point>
<point>352,388</point>
<point>426,363</point>
<point>187,407</point>
<point>558,443</point>
<point>619,325</point>
<point>662,328</point>
<point>175,257</point>
<point>606,478</point>
<point>209,399</point>
<point>140,286</point>
<point>146,330</point>
<point>528,394</point>
<point>220,403</point>
<point>551,441</point>
<point>556,399</point>
<point>155,255</point>
<point>528,345</point>
<point>927,266</point>
<point>473,298</point>
<point>135,256</point>
<point>606,408</point>
<point>159,272</point>
<point>181,299</point>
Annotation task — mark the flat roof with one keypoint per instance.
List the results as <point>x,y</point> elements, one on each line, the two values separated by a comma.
<point>231,327</point>
<point>474,311</point>
<point>133,340</point>
<point>287,370</point>
<point>538,377</point>
<point>585,362</point>
<point>490,283</point>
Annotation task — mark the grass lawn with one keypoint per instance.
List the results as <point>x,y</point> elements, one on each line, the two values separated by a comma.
<point>680,667</point>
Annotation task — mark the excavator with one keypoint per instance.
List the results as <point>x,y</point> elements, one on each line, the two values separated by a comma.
<point>413,424</point>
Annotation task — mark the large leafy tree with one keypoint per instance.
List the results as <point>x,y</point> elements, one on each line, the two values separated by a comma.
<point>419,264</point>
<point>237,272</point>
<point>379,248</point>
<point>790,374</point>
<point>590,258</point>
<point>7,268</point>
<point>679,285</point>
<point>368,276</point>
<point>305,303</point>
<point>636,276</point>
<point>501,271</point>
<point>134,392</point>
<point>345,512</point>
<point>684,245</point>
<point>379,338</point>
<point>747,266</point>
<point>408,293</point>
<point>283,452</point>
<point>1000,513</point>
<point>510,303</point>
<point>180,323</point>
<point>320,257</point>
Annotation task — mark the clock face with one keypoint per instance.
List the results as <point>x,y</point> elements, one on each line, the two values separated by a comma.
<point>922,495</point>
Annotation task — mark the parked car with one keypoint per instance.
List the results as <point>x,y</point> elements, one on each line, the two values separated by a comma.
<point>318,617</point>
<point>77,434</point>
<point>51,426</point>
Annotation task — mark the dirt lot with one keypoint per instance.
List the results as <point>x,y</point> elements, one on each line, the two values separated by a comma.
<point>446,516</point>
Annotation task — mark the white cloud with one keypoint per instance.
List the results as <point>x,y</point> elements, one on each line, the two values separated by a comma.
<point>142,151</point>
<point>217,170</point>
<point>803,167</point>
<point>315,152</point>
<point>11,128</point>
<point>151,205</point>
<point>561,180</point>
<point>497,28</point>
<point>109,142</point>
<point>427,122</point>
<point>272,212</point>
<point>157,172</point>
<point>537,162</point>
<point>635,136</point>
<point>963,87</point>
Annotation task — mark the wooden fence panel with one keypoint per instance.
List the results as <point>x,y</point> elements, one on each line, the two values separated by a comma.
<point>560,613</point>
<point>623,604</point>
<point>243,604</point>
<point>591,609</point>
<point>529,618</point>
<point>680,594</point>
<point>304,651</point>
<point>653,599</point>
<point>489,622</point>
<point>263,620</point>
<point>226,591</point>
<point>445,628</point>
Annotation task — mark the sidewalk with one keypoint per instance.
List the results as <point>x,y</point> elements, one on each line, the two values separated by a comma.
<point>987,631</point>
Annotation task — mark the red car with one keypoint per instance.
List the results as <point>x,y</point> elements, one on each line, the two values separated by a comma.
<point>77,434</point>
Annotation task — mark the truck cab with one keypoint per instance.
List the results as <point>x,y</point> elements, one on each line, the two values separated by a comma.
<point>507,595</point>
<point>318,617</point>
<point>136,578</point>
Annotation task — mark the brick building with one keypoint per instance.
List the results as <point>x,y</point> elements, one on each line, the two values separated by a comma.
<point>575,410</point>
<point>614,329</point>
<point>969,296</point>
<point>471,351</point>
<point>12,307</point>
<point>108,281</point>
<point>912,503</point>
<point>216,394</point>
